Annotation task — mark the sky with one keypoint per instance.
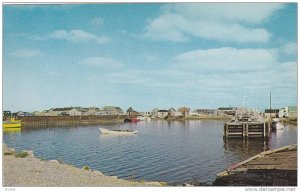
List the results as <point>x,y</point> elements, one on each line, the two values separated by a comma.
<point>199,55</point>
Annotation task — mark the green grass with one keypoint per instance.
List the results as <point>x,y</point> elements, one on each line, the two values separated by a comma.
<point>22,154</point>
<point>86,168</point>
<point>9,153</point>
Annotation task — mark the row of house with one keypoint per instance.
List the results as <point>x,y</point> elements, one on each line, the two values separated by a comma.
<point>289,111</point>
<point>74,111</point>
<point>185,111</point>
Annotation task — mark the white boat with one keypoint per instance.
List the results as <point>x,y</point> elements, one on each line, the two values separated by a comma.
<point>276,124</point>
<point>141,118</point>
<point>117,132</point>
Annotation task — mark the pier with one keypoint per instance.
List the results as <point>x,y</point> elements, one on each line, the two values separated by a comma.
<point>277,167</point>
<point>246,130</point>
<point>50,121</point>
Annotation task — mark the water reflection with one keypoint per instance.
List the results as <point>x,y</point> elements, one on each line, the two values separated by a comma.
<point>12,130</point>
<point>244,148</point>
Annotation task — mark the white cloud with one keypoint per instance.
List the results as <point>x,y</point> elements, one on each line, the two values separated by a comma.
<point>251,13</point>
<point>77,36</point>
<point>225,59</point>
<point>167,27</point>
<point>289,48</point>
<point>27,53</point>
<point>101,62</point>
<point>225,22</point>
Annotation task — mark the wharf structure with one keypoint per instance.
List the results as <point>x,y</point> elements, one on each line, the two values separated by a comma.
<point>247,124</point>
<point>277,167</point>
<point>46,121</point>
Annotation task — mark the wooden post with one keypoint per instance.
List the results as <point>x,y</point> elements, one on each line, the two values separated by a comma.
<point>247,130</point>
<point>226,130</point>
<point>244,130</point>
<point>264,130</point>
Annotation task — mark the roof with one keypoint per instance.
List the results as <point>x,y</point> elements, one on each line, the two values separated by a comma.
<point>63,109</point>
<point>163,110</point>
<point>227,108</point>
<point>205,110</point>
<point>111,108</point>
<point>272,111</point>
<point>172,109</point>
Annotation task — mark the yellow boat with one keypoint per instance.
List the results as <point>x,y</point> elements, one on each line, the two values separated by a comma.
<point>12,123</point>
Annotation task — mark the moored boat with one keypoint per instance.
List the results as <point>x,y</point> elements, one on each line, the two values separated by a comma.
<point>141,118</point>
<point>276,124</point>
<point>11,123</point>
<point>118,131</point>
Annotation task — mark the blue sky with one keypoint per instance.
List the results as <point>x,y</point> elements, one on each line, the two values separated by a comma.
<point>200,55</point>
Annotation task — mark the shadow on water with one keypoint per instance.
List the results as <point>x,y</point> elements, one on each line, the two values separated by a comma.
<point>244,148</point>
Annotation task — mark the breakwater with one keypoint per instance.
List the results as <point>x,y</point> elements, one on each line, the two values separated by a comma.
<point>49,121</point>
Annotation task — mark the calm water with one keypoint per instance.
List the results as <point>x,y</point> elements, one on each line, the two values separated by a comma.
<point>174,152</point>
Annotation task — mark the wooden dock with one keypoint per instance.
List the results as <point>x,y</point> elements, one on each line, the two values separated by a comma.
<point>246,129</point>
<point>276,167</point>
<point>62,121</point>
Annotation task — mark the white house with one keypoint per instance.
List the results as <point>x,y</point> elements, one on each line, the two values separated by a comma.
<point>174,113</point>
<point>67,111</point>
<point>112,110</point>
<point>155,112</point>
<point>91,111</point>
<point>162,113</point>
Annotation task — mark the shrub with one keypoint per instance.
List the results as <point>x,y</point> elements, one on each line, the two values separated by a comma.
<point>22,154</point>
<point>86,168</point>
<point>9,153</point>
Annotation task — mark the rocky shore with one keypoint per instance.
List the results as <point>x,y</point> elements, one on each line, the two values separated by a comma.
<point>25,170</point>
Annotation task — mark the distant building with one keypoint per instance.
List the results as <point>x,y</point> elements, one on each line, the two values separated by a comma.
<point>66,111</point>
<point>283,113</point>
<point>162,113</point>
<point>174,113</point>
<point>112,110</point>
<point>154,112</point>
<point>292,111</point>
<point>184,110</point>
<point>23,114</point>
<point>101,113</point>
<point>7,114</point>
<point>36,113</point>
<point>45,113</point>
<point>272,113</point>
<point>226,111</point>
<point>131,112</point>
<point>91,111</point>
<point>146,114</point>
<point>205,111</point>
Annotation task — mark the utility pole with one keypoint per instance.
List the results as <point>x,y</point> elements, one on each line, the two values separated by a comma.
<point>270,118</point>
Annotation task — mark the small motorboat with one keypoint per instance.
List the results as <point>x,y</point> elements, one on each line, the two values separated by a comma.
<point>12,124</point>
<point>276,125</point>
<point>141,118</point>
<point>118,131</point>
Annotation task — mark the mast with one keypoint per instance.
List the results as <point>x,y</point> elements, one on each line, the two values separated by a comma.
<point>270,106</point>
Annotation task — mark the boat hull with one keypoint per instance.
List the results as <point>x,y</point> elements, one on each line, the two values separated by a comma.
<point>117,132</point>
<point>11,125</point>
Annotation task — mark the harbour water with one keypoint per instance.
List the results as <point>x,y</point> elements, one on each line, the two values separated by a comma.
<point>172,151</point>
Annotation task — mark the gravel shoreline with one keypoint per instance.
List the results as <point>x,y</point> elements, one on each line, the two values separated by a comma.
<point>33,172</point>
